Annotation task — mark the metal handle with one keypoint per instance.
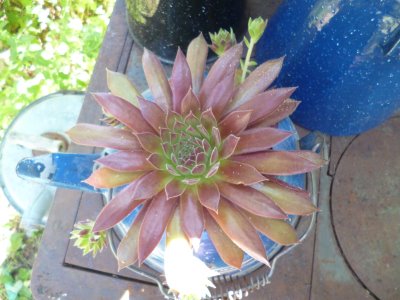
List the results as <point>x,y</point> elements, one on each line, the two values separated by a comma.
<point>392,42</point>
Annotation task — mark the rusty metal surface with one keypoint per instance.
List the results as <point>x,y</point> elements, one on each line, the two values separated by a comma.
<point>366,208</point>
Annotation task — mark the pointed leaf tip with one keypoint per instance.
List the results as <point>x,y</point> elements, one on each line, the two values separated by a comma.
<point>157,80</point>
<point>120,86</point>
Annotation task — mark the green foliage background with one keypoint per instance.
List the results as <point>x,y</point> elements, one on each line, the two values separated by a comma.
<point>47,46</point>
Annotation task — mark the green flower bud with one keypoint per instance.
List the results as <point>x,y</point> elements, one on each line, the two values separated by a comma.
<point>222,41</point>
<point>256,28</point>
<point>87,240</point>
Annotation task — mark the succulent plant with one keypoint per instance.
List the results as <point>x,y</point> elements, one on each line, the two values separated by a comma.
<point>87,240</point>
<point>200,155</point>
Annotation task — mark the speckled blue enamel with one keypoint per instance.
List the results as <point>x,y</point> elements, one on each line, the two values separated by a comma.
<point>207,251</point>
<point>337,52</point>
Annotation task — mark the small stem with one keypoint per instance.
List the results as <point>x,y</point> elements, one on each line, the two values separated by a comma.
<point>247,60</point>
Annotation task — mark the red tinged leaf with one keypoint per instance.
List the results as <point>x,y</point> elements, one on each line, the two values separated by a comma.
<point>239,230</point>
<point>128,250</point>
<point>291,200</point>
<point>278,231</point>
<point>118,208</point>
<point>157,80</point>
<point>239,173</point>
<point>208,120</point>
<point>260,139</point>
<point>103,136</point>
<point>282,162</point>
<point>196,58</point>
<point>191,214</point>
<point>156,160</point>
<point>266,103</point>
<point>227,250</point>
<point>105,178</point>
<point>180,81</point>
<point>208,195</point>
<point>234,123</point>
<point>220,96</point>
<point>150,185</point>
<point>190,103</point>
<point>152,113</point>
<point>229,146</point>
<point>222,68</point>
<point>123,111</point>
<point>283,111</point>
<point>174,189</point>
<point>154,223</point>
<point>149,141</point>
<point>258,81</point>
<point>251,200</point>
<point>128,161</point>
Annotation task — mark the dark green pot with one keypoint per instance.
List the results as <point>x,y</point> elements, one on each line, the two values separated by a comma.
<point>164,25</point>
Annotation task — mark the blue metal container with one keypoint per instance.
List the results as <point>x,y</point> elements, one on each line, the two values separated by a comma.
<point>345,58</point>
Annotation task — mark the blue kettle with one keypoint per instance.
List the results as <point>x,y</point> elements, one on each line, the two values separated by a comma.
<point>345,58</point>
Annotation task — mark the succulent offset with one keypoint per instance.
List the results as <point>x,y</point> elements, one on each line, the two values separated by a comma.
<point>199,155</point>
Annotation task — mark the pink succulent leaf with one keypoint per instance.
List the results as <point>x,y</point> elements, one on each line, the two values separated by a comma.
<point>121,205</point>
<point>278,231</point>
<point>156,160</point>
<point>258,81</point>
<point>208,120</point>
<point>208,194</point>
<point>239,173</point>
<point>282,162</point>
<point>171,118</point>
<point>220,96</point>
<point>251,200</point>
<point>260,139</point>
<point>191,214</point>
<point>150,185</point>
<point>235,122</point>
<point>174,189</point>
<point>229,146</point>
<point>239,230</point>
<point>153,114</point>
<point>213,170</point>
<point>149,141</point>
<point>190,103</point>
<point>128,250</point>
<point>290,200</point>
<point>216,135</point>
<point>196,58</point>
<point>283,111</point>
<point>266,103</point>
<point>154,223</point>
<point>180,81</point>
<point>227,250</point>
<point>157,80</point>
<point>105,178</point>
<point>214,156</point>
<point>126,161</point>
<point>123,111</point>
<point>103,136</point>
<point>223,67</point>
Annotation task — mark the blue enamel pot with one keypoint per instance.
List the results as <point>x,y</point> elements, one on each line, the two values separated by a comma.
<point>344,56</point>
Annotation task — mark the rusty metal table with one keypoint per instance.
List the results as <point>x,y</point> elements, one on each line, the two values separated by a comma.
<point>353,252</point>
